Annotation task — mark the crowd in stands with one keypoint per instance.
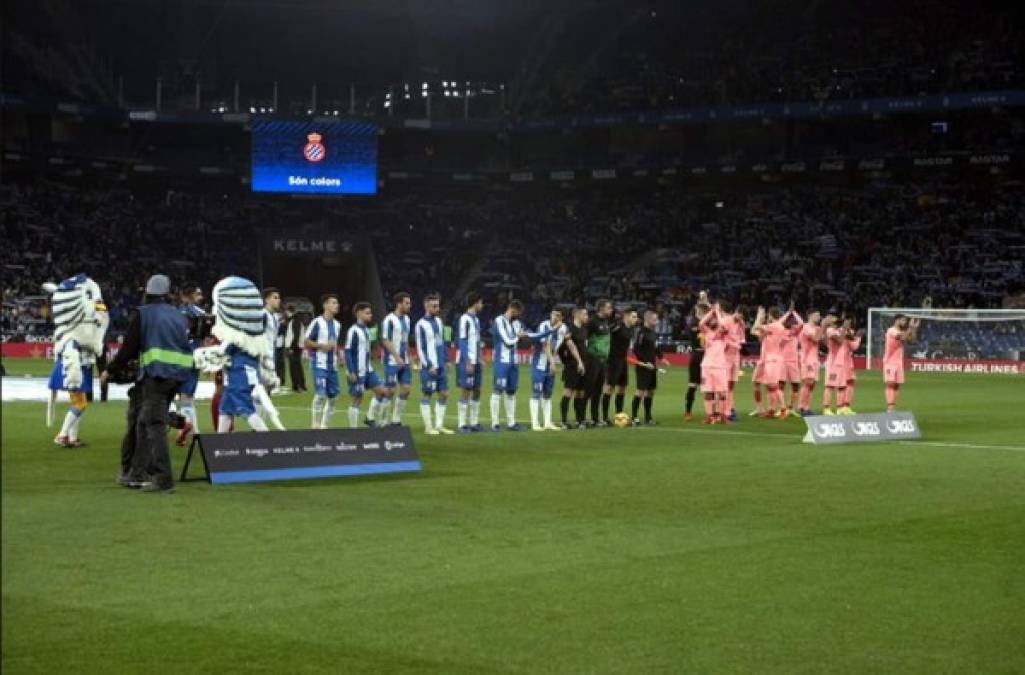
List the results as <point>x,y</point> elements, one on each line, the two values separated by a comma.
<point>671,54</point>
<point>837,249</point>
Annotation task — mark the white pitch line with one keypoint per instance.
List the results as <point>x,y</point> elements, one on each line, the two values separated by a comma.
<point>762,434</point>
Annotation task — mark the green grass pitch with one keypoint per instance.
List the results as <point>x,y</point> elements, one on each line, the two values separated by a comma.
<point>679,548</point>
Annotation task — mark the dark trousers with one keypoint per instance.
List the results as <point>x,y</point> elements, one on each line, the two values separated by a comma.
<point>595,383</point>
<point>279,364</point>
<point>144,450</point>
<point>295,367</point>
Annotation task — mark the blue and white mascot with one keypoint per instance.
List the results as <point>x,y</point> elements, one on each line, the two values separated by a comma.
<point>80,319</point>
<point>242,354</point>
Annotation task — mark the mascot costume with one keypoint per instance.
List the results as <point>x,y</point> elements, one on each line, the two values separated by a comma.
<point>242,355</point>
<point>80,319</point>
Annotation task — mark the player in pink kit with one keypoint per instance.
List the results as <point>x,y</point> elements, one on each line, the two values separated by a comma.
<point>715,366</point>
<point>735,325</point>
<point>902,332</point>
<point>836,372</point>
<point>810,337</point>
<point>791,360</point>
<point>758,374</point>
<point>853,340</point>
<point>771,328</point>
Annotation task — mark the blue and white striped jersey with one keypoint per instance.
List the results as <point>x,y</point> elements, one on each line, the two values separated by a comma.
<point>322,332</point>
<point>357,350</point>
<point>468,339</point>
<point>503,331</point>
<point>545,335</point>
<point>430,343</point>
<point>270,331</point>
<point>395,329</point>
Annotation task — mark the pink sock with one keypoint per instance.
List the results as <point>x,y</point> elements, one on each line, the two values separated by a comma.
<point>850,393</point>
<point>805,396</point>
<point>709,404</point>
<point>827,395</point>
<point>891,395</point>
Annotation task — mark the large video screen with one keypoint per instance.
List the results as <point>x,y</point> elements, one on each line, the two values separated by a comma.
<point>335,157</point>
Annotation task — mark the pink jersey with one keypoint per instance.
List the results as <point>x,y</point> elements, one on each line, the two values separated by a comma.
<point>788,344</point>
<point>852,346</point>
<point>737,333</point>
<point>717,342</point>
<point>843,352</point>
<point>772,341</point>
<point>833,345</point>
<point>810,344</point>
<point>893,357</point>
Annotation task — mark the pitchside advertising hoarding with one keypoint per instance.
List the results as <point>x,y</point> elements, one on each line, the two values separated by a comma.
<point>862,428</point>
<point>249,457</point>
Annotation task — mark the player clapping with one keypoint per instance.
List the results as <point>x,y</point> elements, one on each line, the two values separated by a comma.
<point>904,331</point>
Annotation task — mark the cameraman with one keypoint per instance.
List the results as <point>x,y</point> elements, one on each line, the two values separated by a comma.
<point>158,337</point>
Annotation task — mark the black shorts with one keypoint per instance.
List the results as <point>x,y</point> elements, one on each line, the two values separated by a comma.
<point>571,379</point>
<point>616,373</point>
<point>647,380</point>
<point>695,367</point>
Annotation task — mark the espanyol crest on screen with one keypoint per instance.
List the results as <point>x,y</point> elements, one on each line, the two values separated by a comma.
<point>314,151</point>
<point>314,157</point>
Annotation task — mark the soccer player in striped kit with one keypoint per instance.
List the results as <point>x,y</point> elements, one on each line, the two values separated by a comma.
<point>359,367</point>
<point>468,364</point>
<point>542,370</point>
<point>395,345</point>
<point>506,368</point>
<point>322,342</point>
<point>433,355</point>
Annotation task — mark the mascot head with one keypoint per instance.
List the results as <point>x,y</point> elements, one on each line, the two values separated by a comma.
<point>238,306</point>
<point>79,313</point>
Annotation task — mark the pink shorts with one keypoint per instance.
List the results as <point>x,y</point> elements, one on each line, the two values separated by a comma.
<point>774,372</point>
<point>714,379</point>
<point>836,376</point>
<point>893,375</point>
<point>810,371</point>
<point>793,371</point>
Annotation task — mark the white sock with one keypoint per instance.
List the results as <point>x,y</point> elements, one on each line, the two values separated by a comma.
<point>329,410</point>
<point>534,405</point>
<point>223,423</point>
<point>189,410</point>
<point>510,408</point>
<point>317,411</point>
<point>73,431</point>
<point>256,422</point>
<point>372,410</point>
<point>439,414</point>
<point>474,411</point>
<point>400,409</point>
<point>172,407</point>
<point>496,417</point>
<point>259,409</point>
<point>69,419</point>
<point>353,416</point>
<point>425,413</point>
<point>461,413</point>
<point>546,408</point>
<point>382,410</point>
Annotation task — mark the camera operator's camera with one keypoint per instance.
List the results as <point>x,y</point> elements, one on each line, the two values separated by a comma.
<point>175,420</point>
<point>201,327</point>
<point>126,375</point>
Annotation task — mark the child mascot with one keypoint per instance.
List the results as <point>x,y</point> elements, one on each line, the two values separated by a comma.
<point>241,354</point>
<point>80,319</point>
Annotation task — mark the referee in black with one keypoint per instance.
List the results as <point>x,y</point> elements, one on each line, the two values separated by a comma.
<point>697,354</point>
<point>599,330</point>
<point>573,354</point>
<point>616,379</point>
<point>648,353</point>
